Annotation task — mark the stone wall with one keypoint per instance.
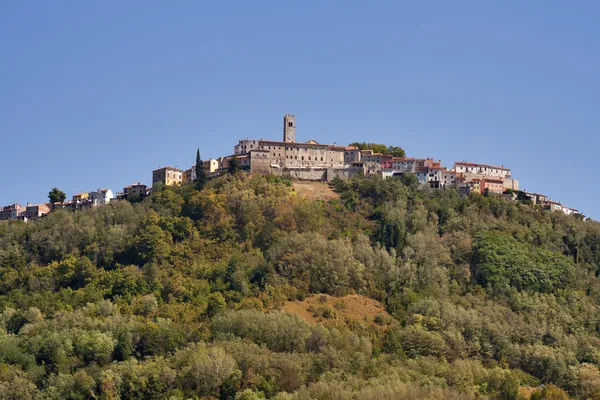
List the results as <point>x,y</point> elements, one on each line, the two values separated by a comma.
<point>305,174</point>
<point>343,173</point>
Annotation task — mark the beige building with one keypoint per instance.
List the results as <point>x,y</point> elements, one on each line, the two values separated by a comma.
<point>352,154</point>
<point>138,189</point>
<point>80,196</point>
<point>36,211</point>
<point>270,156</point>
<point>210,166</point>
<point>243,162</point>
<point>168,176</point>
<point>12,211</point>
<point>289,128</point>
<point>482,171</point>
<point>189,175</point>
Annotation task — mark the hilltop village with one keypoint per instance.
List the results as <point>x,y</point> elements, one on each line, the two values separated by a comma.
<point>310,161</point>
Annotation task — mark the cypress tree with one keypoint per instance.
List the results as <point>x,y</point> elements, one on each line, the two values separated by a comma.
<point>200,173</point>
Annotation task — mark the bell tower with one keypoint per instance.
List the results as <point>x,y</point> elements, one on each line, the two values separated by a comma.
<point>289,128</point>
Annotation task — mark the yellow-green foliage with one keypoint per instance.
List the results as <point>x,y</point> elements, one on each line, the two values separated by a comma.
<point>177,296</point>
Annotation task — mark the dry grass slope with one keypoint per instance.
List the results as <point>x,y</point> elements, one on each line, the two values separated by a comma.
<point>332,311</point>
<point>315,191</point>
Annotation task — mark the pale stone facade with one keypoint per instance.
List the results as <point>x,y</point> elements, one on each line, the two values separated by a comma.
<point>289,128</point>
<point>167,176</point>
<point>138,189</point>
<point>12,211</point>
<point>36,211</point>
<point>101,197</point>
<point>481,169</point>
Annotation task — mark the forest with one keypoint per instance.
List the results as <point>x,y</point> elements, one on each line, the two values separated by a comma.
<point>186,295</point>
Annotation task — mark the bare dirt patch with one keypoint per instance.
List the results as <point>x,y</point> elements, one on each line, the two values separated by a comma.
<point>347,310</point>
<point>315,191</point>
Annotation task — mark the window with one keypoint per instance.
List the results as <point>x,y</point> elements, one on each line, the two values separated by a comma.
<point>303,157</point>
<point>290,124</point>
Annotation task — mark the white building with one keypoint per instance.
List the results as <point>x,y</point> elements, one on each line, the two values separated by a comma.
<point>210,166</point>
<point>481,169</point>
<point>404,164</point>
<point>101,197</point>
<point>387,173</point>
<point>449,177</point>
<point>569,210</point>
<point>432,176</point>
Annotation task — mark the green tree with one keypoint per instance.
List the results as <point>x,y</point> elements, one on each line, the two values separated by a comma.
<point>395,151</point>
<point>501,261</point>
<point>201,177</point>
<point>409,179</point>
<point>56,196</point>
<point>233,166</point>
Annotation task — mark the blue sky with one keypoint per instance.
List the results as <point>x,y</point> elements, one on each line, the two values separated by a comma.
<point>98,94</point>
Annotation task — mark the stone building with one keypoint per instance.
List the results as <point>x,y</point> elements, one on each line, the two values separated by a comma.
<point>12,211</point>
<point>352,154</point>
<point>309,160</point>
<point>167,176</point>
<point>210,166</point>
<point>79,197</point>
<point>289,128</point>
<point>101,197</point>
<point>35,211</point>
<point>492,185</point>
<point>482,171</point>
<point>138,189</point>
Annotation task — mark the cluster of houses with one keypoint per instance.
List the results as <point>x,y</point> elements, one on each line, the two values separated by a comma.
<point>312,161</point>
<point>79,201</point>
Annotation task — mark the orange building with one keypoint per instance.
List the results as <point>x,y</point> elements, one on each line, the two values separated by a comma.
<point>492,185</point>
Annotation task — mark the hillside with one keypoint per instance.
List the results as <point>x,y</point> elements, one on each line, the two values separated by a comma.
<point>315,191</point>
<point>347,310</point>
<point>256,287</point>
